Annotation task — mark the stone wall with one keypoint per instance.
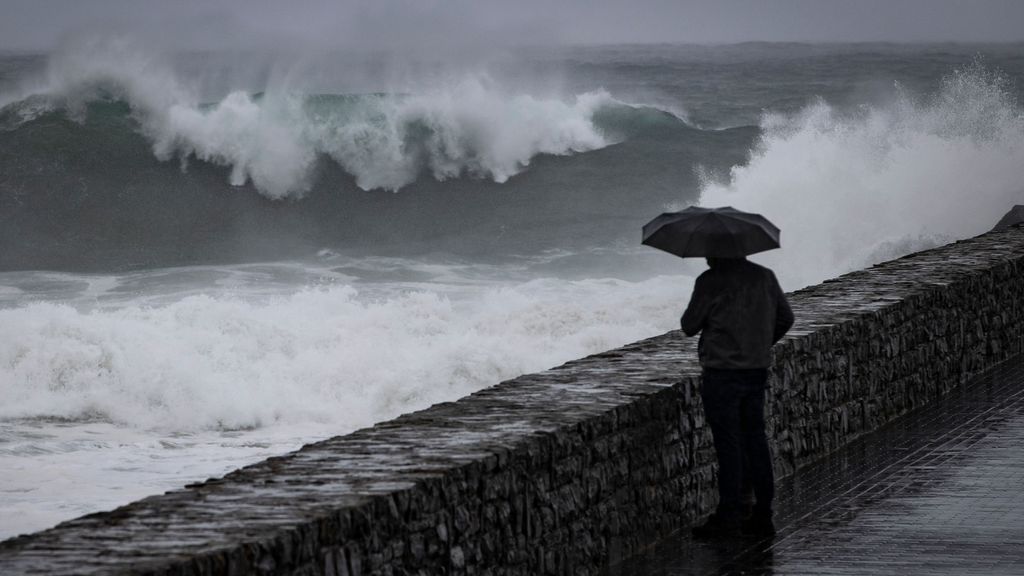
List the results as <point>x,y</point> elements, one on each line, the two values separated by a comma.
<point>564,471</point>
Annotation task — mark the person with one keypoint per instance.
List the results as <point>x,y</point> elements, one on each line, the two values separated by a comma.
<point>740,311</point>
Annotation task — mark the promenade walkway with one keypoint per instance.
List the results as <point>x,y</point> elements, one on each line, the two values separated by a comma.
<point>939,491</point>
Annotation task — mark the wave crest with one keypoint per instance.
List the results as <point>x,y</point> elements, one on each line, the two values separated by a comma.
<point>469,126</point>
<point>319,355</point>
<point>850,190</point>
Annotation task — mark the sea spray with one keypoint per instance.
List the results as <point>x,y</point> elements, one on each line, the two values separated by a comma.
<point>323,355</point>
<point>128,385</point>
<point>852,189</point>
<point>465,125</point>
<point>121,385</point>
<point>468,128</point>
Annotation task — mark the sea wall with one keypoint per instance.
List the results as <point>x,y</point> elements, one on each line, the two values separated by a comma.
<point>565,471</point>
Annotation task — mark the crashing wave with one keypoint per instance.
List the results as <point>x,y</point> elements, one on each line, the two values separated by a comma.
<point>850,190</point>
<point>469,126</point>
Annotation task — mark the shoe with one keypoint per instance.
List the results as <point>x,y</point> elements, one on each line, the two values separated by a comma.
<point>717,527</point>
<point>759,525</point>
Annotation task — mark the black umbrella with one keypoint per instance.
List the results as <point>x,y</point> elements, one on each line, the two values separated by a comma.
<point>711,232</point>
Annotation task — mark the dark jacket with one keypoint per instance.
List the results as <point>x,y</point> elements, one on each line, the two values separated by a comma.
<point>740,311</point>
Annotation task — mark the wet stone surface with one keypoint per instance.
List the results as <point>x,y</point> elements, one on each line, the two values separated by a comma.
<point>939,491</point>
<point>566,471</point>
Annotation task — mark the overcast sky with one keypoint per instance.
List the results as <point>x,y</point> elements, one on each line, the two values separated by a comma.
<point>324,24</point>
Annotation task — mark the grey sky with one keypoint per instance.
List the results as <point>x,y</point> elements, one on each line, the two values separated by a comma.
<point>324,24</point>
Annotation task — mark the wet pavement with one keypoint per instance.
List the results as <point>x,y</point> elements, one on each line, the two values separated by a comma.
<point>938,491</point>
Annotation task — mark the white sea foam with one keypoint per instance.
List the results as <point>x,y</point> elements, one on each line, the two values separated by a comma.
<point>173,388</point>
<point>463,125</point>
<point>849,190</point>
<point>128,396</point>
<point>322,355</point>
<point>467,127</point>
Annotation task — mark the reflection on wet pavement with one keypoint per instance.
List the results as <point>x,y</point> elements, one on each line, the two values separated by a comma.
<point>939,491</point>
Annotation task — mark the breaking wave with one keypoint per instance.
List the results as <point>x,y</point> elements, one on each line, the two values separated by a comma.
<point>467,126</point>
<point>849,190</point>
<point>326,355</point>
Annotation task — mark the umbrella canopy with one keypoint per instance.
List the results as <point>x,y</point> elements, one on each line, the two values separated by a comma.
<point>711,232</point>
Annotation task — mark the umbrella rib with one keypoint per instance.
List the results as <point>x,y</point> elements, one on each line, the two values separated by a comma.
<point>700,223</point>
<point>733,235</point>
<point>760,221</point>
<point>763,224</point>
<point>757,220</point>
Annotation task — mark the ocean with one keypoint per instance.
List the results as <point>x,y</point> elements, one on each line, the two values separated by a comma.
<point>210,258</point>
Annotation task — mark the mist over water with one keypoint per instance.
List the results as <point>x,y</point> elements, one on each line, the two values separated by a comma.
<point>132,392</point>
<point>329,355</point>
<point>853,188</point>
<point>461,125</point>
<point>201,265</point>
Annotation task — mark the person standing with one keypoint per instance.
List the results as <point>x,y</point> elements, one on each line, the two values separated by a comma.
<point>740,311</point>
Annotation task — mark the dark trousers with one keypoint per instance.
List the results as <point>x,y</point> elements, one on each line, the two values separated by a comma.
<point>734,406</point>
